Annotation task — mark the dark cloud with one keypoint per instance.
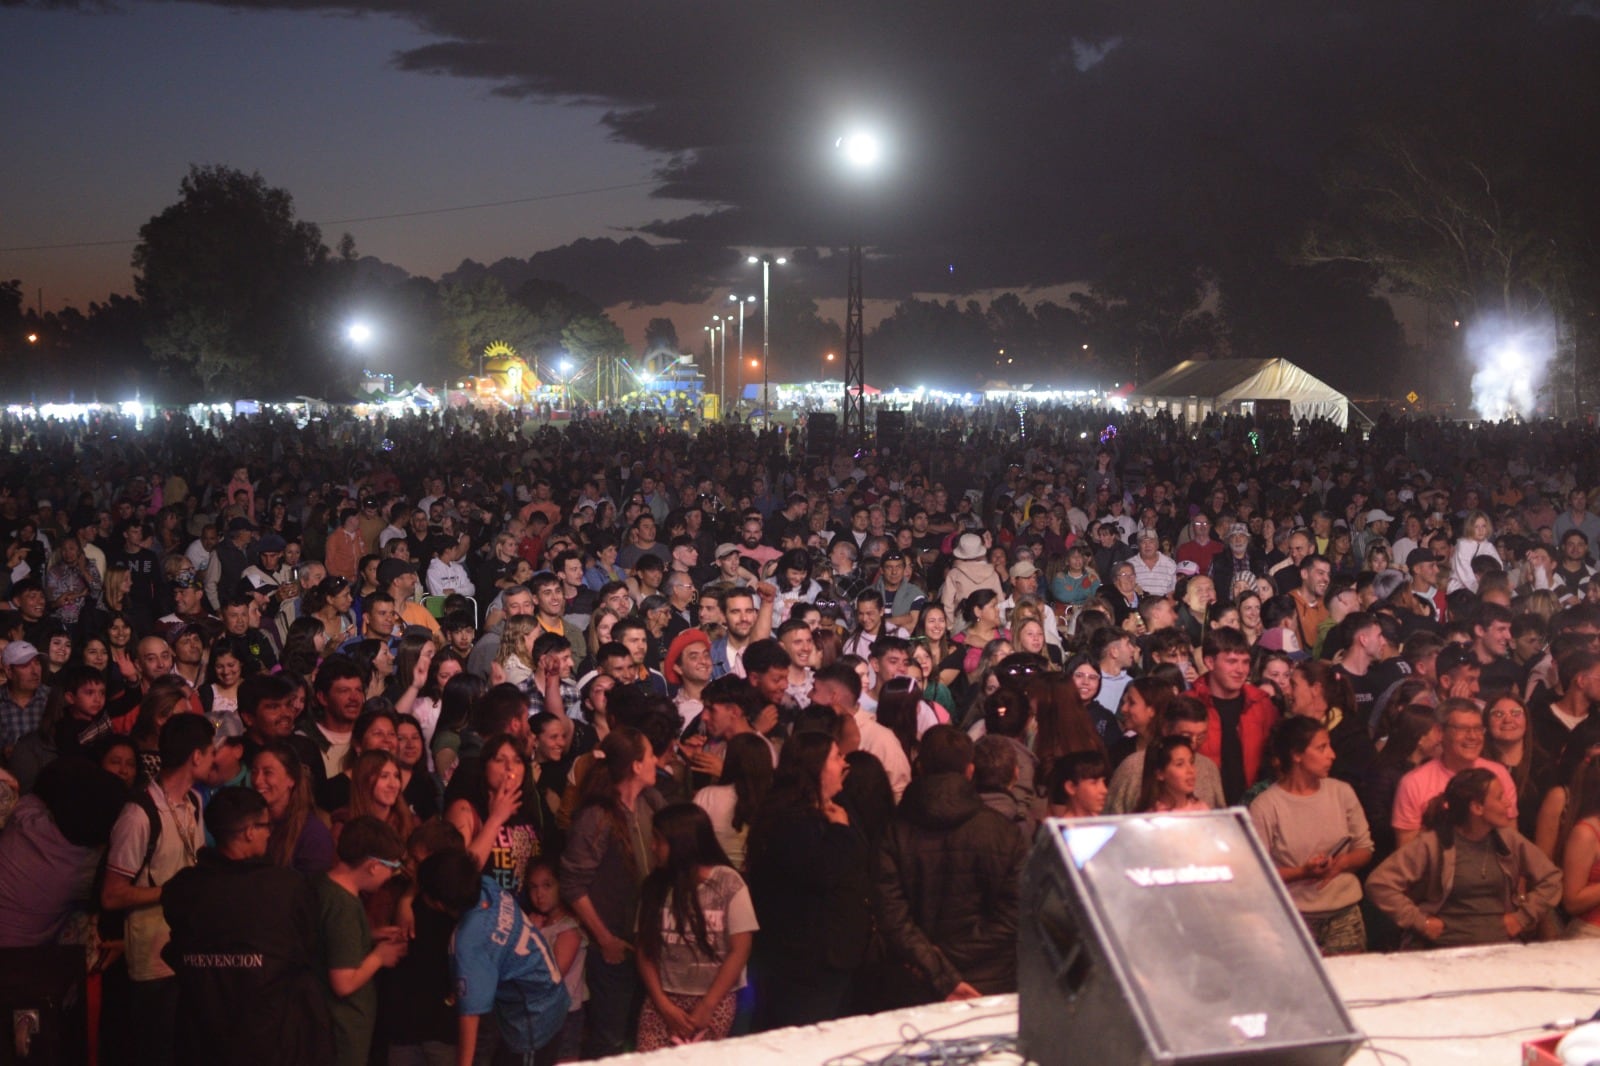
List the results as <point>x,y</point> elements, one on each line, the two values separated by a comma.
<point>631,272</point>
<point>1019,136</point>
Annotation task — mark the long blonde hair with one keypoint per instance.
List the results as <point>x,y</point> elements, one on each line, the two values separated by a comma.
<point>514,637</point>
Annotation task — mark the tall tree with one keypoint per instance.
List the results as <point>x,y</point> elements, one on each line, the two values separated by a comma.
<point>660,335</point>
<point>228,277</point>
<point>479,313</point>
<point>1145,311</point>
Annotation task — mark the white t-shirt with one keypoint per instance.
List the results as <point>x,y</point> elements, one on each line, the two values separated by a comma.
<point>176,849</point>
<point>686,970</point>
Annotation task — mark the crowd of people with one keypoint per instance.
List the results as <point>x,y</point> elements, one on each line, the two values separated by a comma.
<point>472,738</point>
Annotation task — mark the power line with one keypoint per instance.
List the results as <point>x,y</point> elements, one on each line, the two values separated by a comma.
<point>373,218</point>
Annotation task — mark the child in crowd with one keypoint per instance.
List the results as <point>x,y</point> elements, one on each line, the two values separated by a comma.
<point>1077,786</point>
<point>567,943</point>
<point>696,928</point>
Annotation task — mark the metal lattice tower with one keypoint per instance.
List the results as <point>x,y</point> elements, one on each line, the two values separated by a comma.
<point>855,366</point>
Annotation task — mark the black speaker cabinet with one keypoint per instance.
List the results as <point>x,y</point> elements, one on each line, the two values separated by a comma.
<point>891,429</point>
<point>822,432</point>
<point>1168,939</point>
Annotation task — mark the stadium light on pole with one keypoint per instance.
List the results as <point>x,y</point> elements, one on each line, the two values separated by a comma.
<point>766,262</point>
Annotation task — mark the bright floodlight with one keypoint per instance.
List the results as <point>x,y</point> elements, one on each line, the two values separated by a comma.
<point>566,366</point>
<point>359,333</point>
<point>861,149</point>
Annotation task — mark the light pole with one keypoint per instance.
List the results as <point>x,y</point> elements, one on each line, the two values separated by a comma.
<point>766,262</point>
<point>826,359</point>
<point>861,152</point>
<point>741,301</point>
<point>720,326</point>
<point>714,382</point>
<point>566,383</point>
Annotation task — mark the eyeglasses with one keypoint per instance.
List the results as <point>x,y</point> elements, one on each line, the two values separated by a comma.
<point>391,864</point>
<point>1467,730</point>
<point>1510,712</point>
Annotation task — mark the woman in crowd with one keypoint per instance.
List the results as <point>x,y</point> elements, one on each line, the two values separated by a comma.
<point>1473,542</point>
<point>1469,877</point>
<point>500,817</point>
<point>376,662</point>
<point>456,701</point>
<point>598,633</point>
<point>1139,716</point>
<point>602,870</point>
<point>1029,637</point>
<point>1558,811</point>
<point>417,785</point>
<point>808,870</point>
<point>741,789</point>
<point>981,612</point>
<point>304,645</point>
<point>167,696</point>
<point>220,693</point>
<point>374,730</point>
<point>413,663</point>
<point>899,707</point>
<point>696,929</point>
<point>1061,726</point>
<point>299,838</point>
<point>331,603</point>
<point>1316,834</point>
<point>934,626</point>
<point>792,578</point>
<point>377,789</point>
<point>1169,777</point>
<point>1074,584</point>
<point>123,672</point>
<point>1580,862</point>
<point>71,584</point>
<point>933,690</point>
<point>515,657</point>
<point>552,736</point>
<point>1509,743</point>
<point>1415,737</point>
<point>427,708</point>
<point>1249,605</point>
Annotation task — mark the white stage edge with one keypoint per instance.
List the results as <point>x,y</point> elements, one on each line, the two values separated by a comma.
<point>1454,1031</point>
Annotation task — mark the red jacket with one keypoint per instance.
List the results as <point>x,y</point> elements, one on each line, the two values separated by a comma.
<point>1255,725</point>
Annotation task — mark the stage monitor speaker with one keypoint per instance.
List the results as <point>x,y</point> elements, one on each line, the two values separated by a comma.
<point>891,429</point>
<point>822,432</point>
<point>1165,939</point>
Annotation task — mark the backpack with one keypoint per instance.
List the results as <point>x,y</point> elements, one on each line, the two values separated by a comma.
<point>113,922</point>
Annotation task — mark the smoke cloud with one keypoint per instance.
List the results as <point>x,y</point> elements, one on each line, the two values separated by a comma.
<point>1513,360</point>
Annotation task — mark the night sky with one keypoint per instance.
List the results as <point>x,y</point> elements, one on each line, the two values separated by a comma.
<point>1017,136</point>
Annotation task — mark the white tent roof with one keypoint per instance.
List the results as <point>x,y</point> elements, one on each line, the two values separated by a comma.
<point>1224,382</point>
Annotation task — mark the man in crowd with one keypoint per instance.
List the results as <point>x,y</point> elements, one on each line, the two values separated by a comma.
<point>1240,716</point>
<point>948,879</point>
<point>340,691</point>
<point>838,688</point>
<point>23,699</point>
<point>157,834</point>
<point>244,946</point>
<point>1153,569</point>
<point>1462,750</point>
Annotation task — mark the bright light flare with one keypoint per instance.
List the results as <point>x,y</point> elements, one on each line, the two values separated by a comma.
<point>861,149</point>
<point>1512,360</point>
<point>359,333</point>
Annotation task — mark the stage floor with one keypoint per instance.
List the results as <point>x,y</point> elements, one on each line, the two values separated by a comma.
<point>1484,1028</point>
